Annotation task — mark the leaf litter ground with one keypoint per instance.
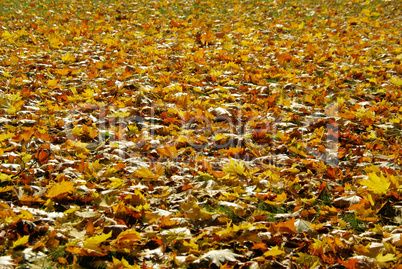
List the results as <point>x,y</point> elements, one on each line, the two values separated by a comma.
<point>197,134</point>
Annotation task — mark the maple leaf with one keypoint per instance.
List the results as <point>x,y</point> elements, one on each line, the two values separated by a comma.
<point>217,257</point>
<point>123,263</point>
<point>170,152</point>
<point>306,259</point>
<point>298,151</point>
<point>63,71</point>
<point>7,188</point>
<point>127,236</point>
<point>94,242</point>
<point>274,251</point>
<point>166,222</point>
<point>11,103</point>
<point>145,173</point>
<point>5,136</point>
<point>5,103</point>
<point>377,184</point>
<point>4,177</point>
<point>63,187</point>
<point>396,81</point>
<point>52,83</point>
<point>7,35</point>
<point>279,199</point>
<point>176,234</point>
<point>385,258</point>
<point>21,241</point>
<point>204,176</point>
<point>235,167</point>
<point>116,183</point>
<point>302,225</point>
<point>68,58</point>
<point>194,100</point>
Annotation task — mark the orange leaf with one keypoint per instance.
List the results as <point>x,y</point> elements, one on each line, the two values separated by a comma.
<point>170,152</point>
<point>260,246</point>
<point>90,227</point>
<point>26,135</point>
<point>129,236</point>
<point>42,155</point>
<point>166,222</point>
<point>286,227</point>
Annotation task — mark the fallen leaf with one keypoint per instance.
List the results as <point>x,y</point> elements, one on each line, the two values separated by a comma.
<point>21,241</point>
<point>217,257</point>
<point>63,187</point>
<point>377,184</point>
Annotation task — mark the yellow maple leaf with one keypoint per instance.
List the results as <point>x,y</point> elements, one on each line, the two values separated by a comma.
<point>376,184</point>
<point>220,136</point>
<point>228,46</point>
<point>235,167</point>
<point>385,258</point>
<point>127,236</point>
<point>14,59</point>
<point>306,259</point>
<point>396,81</point>
<point>109,41</point>
<point>97,165</point>
<point>63,72</point>
<point>6,35</point>
<point>116,183</point>
<point>52,83</point>
<point>55,42</point>
<point>68,58</point>
<point>94,242</point>
<point>123,264</point>
<point>275,251</point>
<point>12,110</point>
<point>26,215</point>
<point>77,131</point>
<point>11,103</point>
<point>88,93</point>
<point>7,75</point>
<point>77,145</point>
<point>21,241</point>
<point>372,168</point>
<point>297,151</point>
<point>4,177</point>
<point>145,173</point>
<point>280,199</point>
<point>318,244</point>
<point>5,136</point>
<point>300,26</point>
<point>61,188</point>
<point>190,245</point>
<point>168,151</point>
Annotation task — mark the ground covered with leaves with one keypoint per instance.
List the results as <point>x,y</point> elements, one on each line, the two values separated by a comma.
<point>200,134</point>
